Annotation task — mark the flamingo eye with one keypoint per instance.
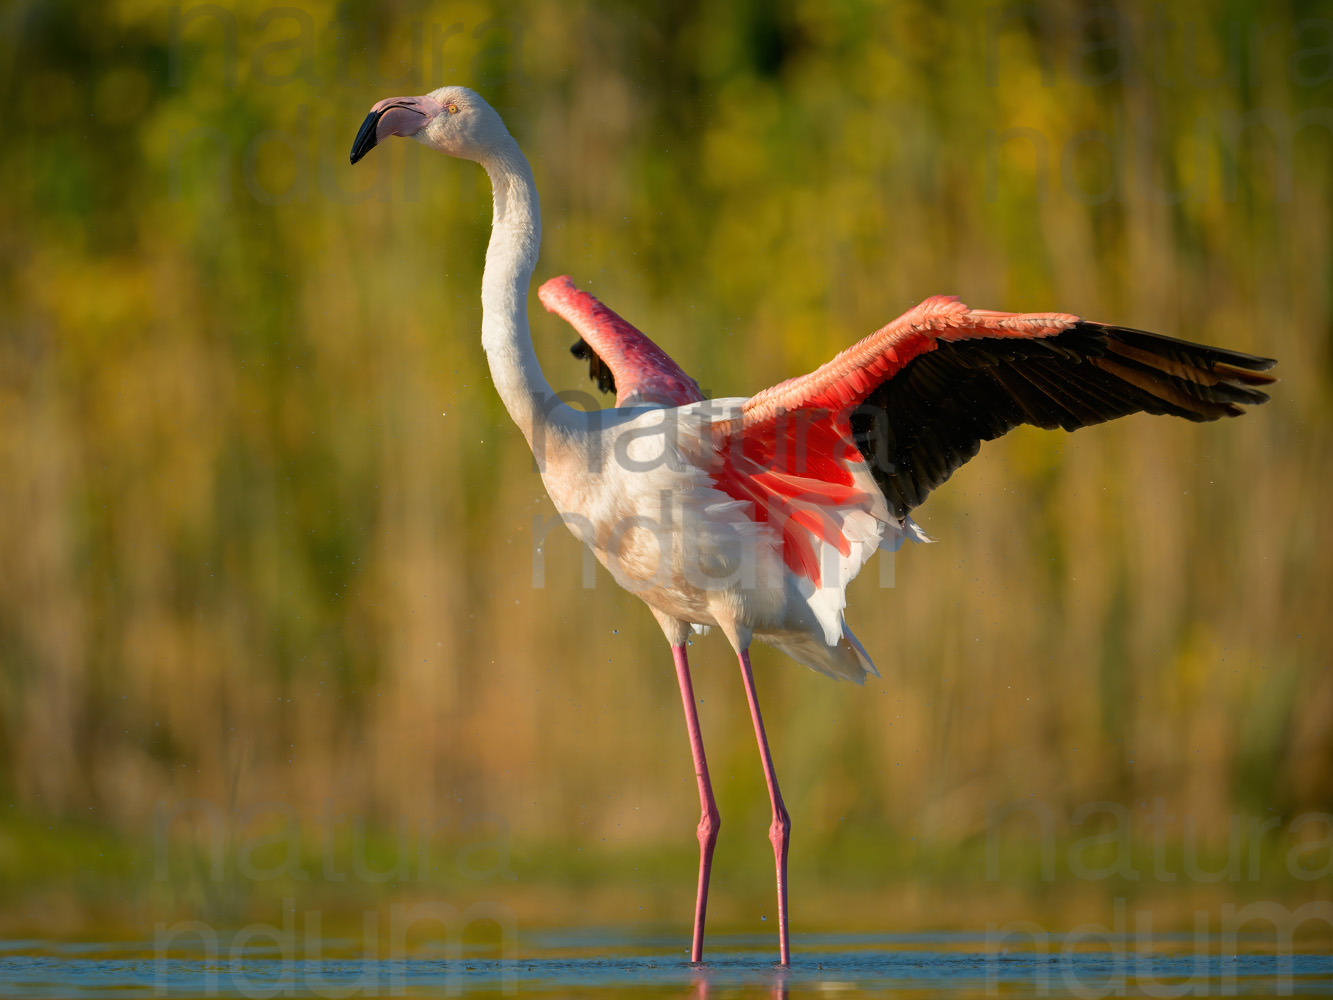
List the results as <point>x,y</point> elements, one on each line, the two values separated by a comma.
<point>452,109</point>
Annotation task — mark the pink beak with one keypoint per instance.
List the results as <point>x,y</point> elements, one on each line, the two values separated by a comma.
<point>393,116</point>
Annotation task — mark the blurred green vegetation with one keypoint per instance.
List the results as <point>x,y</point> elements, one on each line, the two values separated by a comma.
<point>269,537</point>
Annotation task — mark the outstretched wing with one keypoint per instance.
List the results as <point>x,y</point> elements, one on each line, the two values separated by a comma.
<point>919,396</point>
<point>620,358</point>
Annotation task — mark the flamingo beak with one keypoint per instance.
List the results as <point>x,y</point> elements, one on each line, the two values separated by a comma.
<point>393,116</point>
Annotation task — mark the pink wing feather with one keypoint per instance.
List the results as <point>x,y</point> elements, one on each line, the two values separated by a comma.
<point>913,401</point>
<point>796,458</point>
<point>850,377</point>
<point>641,372</point>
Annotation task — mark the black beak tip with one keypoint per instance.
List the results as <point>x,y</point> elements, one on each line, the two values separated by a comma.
<point>366,138</point>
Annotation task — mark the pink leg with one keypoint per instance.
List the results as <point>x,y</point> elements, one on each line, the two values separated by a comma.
<point>710,821</point>
<point>779,831</point>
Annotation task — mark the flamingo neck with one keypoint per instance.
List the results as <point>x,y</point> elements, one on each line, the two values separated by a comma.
<point>510,259</point>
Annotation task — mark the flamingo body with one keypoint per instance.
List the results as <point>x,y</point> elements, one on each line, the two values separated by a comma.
<point>753,515</point>
<point>806,460</point>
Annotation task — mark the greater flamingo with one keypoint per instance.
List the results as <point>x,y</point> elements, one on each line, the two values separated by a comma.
<point>752,515</point>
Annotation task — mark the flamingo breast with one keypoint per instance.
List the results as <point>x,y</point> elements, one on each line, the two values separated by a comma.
<point>763,533</point>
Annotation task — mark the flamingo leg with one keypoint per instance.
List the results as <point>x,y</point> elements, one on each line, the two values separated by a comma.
<point>779,831</point>
<point>710,820</point>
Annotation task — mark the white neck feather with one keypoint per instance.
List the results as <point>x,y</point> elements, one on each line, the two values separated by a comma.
<point>516,233</point>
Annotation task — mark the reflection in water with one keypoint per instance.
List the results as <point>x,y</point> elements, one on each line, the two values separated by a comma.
<point>778,991</point>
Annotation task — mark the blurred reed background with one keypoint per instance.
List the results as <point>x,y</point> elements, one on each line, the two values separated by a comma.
<point>269,538</point>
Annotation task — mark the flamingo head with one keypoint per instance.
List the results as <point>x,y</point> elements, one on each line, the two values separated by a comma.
<point>453,120</point>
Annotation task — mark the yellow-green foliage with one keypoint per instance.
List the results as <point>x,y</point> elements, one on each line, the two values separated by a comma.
<point>267,534</point>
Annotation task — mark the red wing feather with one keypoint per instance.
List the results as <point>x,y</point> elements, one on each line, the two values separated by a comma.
<point>920,395</point>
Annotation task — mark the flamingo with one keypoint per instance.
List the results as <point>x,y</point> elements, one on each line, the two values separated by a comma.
<point>753,515</point>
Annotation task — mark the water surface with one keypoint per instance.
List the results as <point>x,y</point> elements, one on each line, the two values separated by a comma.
<point>605,963</point>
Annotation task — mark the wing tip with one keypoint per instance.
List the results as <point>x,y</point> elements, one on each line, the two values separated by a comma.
<point>553,290</point>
